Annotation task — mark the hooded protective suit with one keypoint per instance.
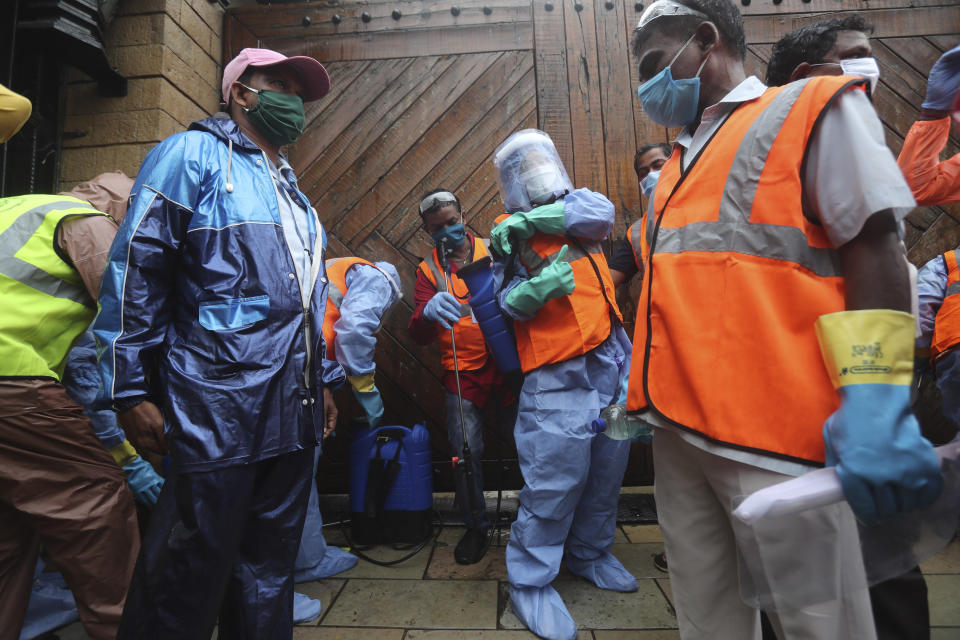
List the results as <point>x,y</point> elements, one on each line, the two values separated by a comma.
<point>210,310</point>
<point>201,308</point>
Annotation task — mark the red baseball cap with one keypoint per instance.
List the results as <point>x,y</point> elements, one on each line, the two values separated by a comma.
<point>316,81</point>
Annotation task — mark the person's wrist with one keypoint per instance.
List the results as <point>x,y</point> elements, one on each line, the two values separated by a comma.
<point>121,405</point>
<point>933,114</point>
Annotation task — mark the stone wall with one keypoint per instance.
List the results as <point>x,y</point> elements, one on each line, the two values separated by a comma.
<point>169,51</point>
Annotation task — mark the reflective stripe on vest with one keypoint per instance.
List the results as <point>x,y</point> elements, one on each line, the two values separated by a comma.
<point>737,278</point>
<point>733,231</point>
<point>566,326</point>
<point>946,327</point>
<point>635,235</point>
<point>47,305</point>
<point>471,345</point>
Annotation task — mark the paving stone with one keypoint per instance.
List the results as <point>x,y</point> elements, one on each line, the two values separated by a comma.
<point>338,633</point>
<point>594,608</point>
<point>649,634</point>
<point>643,532</point>
<point>638,558</point>
<point>942,593</point>
<point>430,604</point>
<point>325,591</point>
<point>945,633</point>
<point>664,584</point>
<point>947,561</point>
<point>450,536</point>
<point>73,631</point>
<point>493,565</point>
<point>456,634</point>
<point>410,569</point>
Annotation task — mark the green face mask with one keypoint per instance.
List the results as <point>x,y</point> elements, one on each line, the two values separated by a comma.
<point>278,116</point>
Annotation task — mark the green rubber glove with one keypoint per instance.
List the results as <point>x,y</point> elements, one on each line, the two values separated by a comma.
<point>555,280</point>
<point>521,225</point>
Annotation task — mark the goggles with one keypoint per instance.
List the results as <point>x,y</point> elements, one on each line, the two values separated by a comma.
<point>437,200</point>
<point>662,8</point>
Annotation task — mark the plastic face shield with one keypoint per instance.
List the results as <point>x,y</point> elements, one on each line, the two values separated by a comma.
<point>662,8</point>
<point>529,171</point>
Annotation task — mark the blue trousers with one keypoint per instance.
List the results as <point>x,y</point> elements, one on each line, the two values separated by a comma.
<point>571,477</point>
<point>221,543</point>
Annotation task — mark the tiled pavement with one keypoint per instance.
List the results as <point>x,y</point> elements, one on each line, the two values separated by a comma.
<point>430,597</point>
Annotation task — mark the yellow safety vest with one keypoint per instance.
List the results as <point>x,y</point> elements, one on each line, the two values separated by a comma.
<point>45,304</point>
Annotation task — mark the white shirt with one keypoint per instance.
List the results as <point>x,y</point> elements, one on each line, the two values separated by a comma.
<point>851,174</point>
<point>296,225</point>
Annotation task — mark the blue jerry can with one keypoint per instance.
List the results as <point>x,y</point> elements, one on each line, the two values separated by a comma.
<point>391,485</point>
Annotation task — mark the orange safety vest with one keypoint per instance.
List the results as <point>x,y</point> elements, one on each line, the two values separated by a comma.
<point>471,347</point>
<point>737,272</point>
<point>946,327</point>
<point>336,290</point>
<point>567,326</point>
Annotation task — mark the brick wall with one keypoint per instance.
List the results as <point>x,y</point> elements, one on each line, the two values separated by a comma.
<point>169,51</point>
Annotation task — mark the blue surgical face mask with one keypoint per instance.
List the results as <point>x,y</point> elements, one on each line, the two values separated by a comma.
<point>649,182</point>
<point>669,102</point>
<point>449,238</point>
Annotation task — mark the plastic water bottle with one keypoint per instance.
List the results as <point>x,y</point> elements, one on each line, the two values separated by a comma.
<point>617,424</point>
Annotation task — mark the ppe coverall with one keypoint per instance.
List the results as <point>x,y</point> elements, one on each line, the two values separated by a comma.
<point>370,293</point>
<point>572,477</point>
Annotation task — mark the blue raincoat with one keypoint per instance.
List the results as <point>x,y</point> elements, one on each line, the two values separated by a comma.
<point>201,308</point>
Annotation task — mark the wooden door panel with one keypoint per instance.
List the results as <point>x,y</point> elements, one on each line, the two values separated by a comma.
<point>422,99</point>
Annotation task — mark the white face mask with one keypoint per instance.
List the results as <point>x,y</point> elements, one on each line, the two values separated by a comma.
<point>542,183</point>
<point>649,182</point>
<point>862,68</point>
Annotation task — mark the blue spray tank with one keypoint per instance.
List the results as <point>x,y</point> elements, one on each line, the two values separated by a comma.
<point>478,276</point>
<point>391,485</point>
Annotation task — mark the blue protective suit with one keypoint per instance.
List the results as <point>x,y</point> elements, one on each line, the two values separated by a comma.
<point>51,605</point>
<point>201,310</point>
<point>572,477</point>
<point>315,559</point>
<point>82,380</point>
<point>370,294</point>
<point>931,289</point>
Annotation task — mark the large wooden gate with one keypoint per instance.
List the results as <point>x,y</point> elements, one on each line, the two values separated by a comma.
<point>422,93</point>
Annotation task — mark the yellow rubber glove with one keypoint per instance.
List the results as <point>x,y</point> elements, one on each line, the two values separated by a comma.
<point>362,383</point>
<point>884,464</point>
<point>124,453</point>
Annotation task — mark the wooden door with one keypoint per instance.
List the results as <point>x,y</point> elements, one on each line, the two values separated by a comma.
<point>423,92</point>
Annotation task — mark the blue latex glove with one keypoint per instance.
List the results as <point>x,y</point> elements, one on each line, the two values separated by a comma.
<point>144,481</point>
<point>443,309</point>
<point>372,405</point>
<point>944,81</point>
<point>885,466</point>
<point>553,281</point>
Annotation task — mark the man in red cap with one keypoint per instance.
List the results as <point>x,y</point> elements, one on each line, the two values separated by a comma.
<point>211,348</point>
